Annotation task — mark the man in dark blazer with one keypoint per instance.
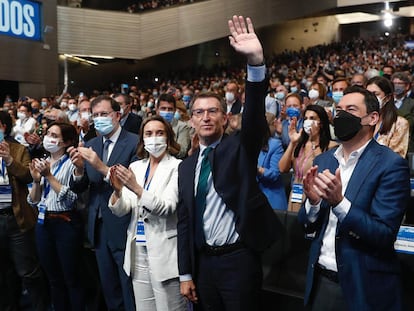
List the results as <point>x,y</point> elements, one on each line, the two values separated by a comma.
<point>218,248</point>
<point>356,196</point>
<point>106,232</point>
<point>233,101</point>
<point>129,121</point>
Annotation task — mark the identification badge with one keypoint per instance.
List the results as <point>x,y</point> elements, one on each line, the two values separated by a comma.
<point>42,213</point>
<point>297,193</point>
<point>140,235</point>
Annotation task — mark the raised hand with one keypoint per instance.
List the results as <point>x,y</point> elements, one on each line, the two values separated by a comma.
<point>76,159</point>
<point>34,172</point>
<point>244,40</point>
<point>127,177</point>
<point>293,134</point>
<point>116,182</point>
<point>309,187</point>
<point>42,167</point>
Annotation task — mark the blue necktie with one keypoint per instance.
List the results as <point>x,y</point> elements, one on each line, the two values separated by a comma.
<point>105,150</point>
<point>201,195</point>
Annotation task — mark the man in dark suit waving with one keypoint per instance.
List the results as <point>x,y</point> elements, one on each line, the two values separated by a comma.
<point>356,197</point>
<point>106,232</point>
<point>224,220</point>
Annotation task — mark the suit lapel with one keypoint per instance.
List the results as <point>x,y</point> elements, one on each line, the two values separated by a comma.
<point>362,170</point>
<point>119,146</point>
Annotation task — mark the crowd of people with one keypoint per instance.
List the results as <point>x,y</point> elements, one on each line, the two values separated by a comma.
<point>145,5</point>
<point>175,184</point>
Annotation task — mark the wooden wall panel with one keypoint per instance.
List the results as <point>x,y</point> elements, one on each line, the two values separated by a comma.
<point>138,36</point>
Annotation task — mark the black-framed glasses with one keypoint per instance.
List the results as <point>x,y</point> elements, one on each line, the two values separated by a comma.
<point>200,112</point>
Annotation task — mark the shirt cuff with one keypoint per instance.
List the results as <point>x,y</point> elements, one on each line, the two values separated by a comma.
<point>256,73</point>
<point>342,209</point>
<point>312,210</point>
<point>185,278</point>
<point>76,177</point>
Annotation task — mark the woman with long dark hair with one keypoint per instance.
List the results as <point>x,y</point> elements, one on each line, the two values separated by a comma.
<point>313,139</point>
<point>392,130</point>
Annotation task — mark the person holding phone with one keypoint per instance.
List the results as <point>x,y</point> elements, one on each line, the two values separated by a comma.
<point>59,228</point>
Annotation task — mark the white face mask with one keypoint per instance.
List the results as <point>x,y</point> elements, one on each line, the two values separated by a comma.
<point>86,115</point>
<point>229,96</point>
<point>21,115</point>
<point>155,145</point>
<point>51,144</point>
<point>72,107</point>
<point>381,101</point>
<point>307,125</point>
<point>313,94</point>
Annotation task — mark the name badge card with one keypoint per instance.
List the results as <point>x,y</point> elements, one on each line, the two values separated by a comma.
<point>42,213</point>
<point>140,235</point>
<point>297,193</point>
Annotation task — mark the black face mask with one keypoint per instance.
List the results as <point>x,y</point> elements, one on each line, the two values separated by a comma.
<point>49,121</point>
<point>346,125</point>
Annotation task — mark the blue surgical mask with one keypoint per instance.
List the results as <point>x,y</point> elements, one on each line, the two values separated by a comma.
<point>177,115</point>
<point>337,96</point>
<point>186,99</point>
<point>294,89</point>
<point>167,115</point>
<point>43,104</point>
<point>1,135</point>
<point>103,125</point>
<point>292,112</point>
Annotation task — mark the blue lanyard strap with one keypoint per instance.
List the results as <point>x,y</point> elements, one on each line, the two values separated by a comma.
<point>47,185</point>
<point>146,186</point>
<point>3,168</point>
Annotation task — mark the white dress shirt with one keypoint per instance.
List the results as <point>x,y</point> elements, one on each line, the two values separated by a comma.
<point>327,257</point>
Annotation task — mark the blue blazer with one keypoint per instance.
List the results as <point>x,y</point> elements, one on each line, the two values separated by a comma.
<point>368,269</point>
<point>271,182</point>
<point>124,152</point>
<point>234,167</point>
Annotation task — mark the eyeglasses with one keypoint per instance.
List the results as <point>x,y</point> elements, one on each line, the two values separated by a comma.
<point>210,111</point>
<point>101,114</point>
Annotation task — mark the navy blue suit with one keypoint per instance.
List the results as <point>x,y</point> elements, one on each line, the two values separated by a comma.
<point>234,167</point>
<point>368,269</point>
<point>108,234</point>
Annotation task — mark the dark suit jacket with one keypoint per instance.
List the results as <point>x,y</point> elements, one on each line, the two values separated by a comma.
<point>234,166</point>
<point>235,109</point>
<point>124,153</point>
<point>368,269</point>
<point>132,123</point>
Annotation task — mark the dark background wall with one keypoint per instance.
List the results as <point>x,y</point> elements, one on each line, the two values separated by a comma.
<point>31,66</point>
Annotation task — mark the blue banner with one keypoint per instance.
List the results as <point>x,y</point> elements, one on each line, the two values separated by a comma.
<point>21,19</point>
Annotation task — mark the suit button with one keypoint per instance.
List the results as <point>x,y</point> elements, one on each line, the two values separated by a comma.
<point>146,220</point>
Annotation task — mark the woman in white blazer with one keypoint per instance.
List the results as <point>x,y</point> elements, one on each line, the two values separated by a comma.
<point>149,188</point>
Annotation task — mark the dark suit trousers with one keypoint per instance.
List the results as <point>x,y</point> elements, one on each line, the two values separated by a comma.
<point>326,295</point>
<point>116,285</point>
<point>230,282</point>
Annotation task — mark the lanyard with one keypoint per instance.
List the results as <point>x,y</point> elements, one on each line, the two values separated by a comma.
<point>47,185</point>
<point>300,170</point>
<point>146,186</point>
<point>378,133</point>
<point>3,168</point>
